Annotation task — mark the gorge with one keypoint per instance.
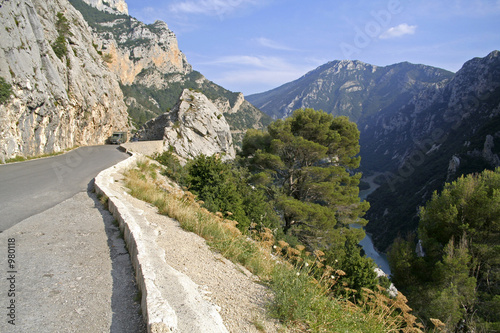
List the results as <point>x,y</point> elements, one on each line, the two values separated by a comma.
<point>420,126</point>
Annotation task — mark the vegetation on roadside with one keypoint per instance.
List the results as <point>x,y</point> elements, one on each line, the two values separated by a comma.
<point>300,280</point>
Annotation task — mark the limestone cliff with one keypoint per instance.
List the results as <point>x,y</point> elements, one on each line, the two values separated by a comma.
<point>153,71</point>
<point>194,126</point>
<point>142,48</point>
<point>58,101</point>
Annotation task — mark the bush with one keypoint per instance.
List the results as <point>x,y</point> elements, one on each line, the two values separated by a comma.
<point>108,57</point>
<point>62,26</point>
<point>5,91</point>
<point>174,169</point>
<point>59,47</point>
<point>212,180</point>
<point>224,188</point>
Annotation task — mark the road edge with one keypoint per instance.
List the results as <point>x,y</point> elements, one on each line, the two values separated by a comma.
<point>149,264</point>
<point>159,315</point>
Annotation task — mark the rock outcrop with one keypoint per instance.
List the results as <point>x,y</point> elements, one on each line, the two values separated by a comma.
<point>57,102</point>
<point>113,6</point>
<point>148,49</point>
<point>193,127</point>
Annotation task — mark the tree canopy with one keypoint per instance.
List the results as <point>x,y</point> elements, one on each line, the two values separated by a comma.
<point>458,280</point>
<point>295,181</point>
<point>306,162</point>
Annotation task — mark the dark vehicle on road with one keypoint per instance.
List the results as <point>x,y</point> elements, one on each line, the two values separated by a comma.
<point>118,138</point>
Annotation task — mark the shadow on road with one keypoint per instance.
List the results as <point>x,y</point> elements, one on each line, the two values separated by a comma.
<point>127,315</point>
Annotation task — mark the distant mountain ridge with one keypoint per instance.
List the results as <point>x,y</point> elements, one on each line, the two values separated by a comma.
<point>350,88</point>
<point>420,125</point>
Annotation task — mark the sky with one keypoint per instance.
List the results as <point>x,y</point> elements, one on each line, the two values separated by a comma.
<point>252,46</point>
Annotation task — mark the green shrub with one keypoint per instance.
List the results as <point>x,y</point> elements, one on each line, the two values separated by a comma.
<point>224,188</point>
<point>212,180</point>
<point>5,91</point>
<point>174,169</point>
<point>59,45</point>
<point>108,57</point>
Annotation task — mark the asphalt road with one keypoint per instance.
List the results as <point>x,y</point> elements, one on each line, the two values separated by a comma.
<point>64,266</point>
<point>31,187</point>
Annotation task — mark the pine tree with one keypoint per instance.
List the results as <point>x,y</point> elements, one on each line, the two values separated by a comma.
<point>461,284</point>
<point>307,162</point>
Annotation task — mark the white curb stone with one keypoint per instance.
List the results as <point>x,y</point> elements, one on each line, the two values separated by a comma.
<point>153,274</point>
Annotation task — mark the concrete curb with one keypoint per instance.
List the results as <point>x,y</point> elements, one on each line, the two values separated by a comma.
<point>159,315</point>
<point>148,261</point>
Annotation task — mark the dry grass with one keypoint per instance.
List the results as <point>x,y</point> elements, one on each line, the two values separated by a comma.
<point>303,303</point>
<point>221,234</point>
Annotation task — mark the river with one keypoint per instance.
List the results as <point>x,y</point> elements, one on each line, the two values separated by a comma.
<point>367,243</point>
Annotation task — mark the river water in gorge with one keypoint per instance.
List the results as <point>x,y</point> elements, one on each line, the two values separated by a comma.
<point>367,243</point>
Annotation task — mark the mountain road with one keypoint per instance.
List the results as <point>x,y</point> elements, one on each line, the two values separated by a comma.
<point>64,266</point>
<point>31,187</point>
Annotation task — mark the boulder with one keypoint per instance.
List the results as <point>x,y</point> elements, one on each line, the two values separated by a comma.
<point>193,127</point>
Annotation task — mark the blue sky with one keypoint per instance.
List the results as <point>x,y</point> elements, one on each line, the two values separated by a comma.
<point>256,45</point>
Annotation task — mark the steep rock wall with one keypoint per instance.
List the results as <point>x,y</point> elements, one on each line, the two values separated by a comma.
<point>119,6</point>
<point>148,49</point>
<point>56,103</point>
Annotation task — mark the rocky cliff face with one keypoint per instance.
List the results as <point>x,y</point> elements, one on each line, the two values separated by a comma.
<point>113,6</point>
<point>57,101</point>
<point>389,137</point>
<point>152,50</point>
<point>153,71</point>
<point>194,126</point>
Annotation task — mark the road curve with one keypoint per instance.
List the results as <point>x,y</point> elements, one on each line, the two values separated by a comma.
<point>31,187</point>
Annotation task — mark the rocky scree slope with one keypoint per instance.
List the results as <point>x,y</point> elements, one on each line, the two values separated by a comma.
<point>194,126</point>
<point>153,71</point>
<point>57,102</point>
